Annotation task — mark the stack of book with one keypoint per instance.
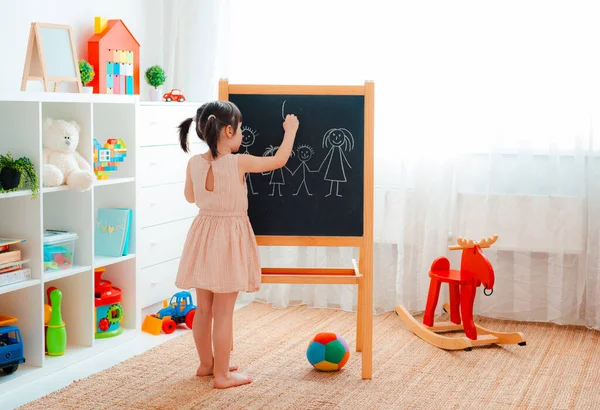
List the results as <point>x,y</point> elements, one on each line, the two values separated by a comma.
<point>11,264</point>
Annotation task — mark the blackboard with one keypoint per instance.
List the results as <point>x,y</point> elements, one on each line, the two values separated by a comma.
<point>320,191</point>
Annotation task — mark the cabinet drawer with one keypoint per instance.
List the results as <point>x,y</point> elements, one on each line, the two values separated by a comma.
<point>157,283</point>
<point>162,204</point>
<point>164,164</point>
<point>158,124</point>
<point>161,243</point>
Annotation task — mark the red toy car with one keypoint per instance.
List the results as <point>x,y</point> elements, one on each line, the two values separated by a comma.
<point>174,95</point>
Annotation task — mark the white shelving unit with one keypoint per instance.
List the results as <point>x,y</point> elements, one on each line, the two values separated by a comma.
<point>100,117</point>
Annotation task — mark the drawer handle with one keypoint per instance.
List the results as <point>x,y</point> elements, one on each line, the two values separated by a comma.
<point>153,243</point>
<point>154,282</point>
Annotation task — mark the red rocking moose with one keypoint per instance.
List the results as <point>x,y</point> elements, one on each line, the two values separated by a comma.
<point>475,270</point>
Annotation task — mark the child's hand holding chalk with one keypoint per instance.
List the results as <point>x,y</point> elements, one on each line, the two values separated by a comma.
<point>291,123</point>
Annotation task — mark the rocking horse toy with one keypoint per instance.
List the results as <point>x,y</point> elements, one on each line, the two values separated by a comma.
<point>475,269</point>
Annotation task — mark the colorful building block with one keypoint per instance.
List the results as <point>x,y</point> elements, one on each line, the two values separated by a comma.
<point>117,84</point>
<point>129,85</point>
<point>108,157</point>
<point>100,24</point>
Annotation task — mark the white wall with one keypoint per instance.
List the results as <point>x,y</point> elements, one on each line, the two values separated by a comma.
<point>17,15</point>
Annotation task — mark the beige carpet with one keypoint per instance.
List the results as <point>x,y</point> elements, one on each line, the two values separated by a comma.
<point>558,369</point>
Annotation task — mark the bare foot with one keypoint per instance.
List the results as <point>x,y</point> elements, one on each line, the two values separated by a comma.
<point>231,380</point>
<point>208,371</point>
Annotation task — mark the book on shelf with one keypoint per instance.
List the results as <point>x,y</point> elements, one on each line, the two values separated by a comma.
<point>12,266</point>
<point>13,271</point>
<point>112,231</point>
<point>7,254</point>
<point>15,276</point>
<point>6,242</point>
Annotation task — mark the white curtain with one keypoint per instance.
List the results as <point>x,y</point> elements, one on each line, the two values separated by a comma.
<point>485,118</point>
<point>192,35</point>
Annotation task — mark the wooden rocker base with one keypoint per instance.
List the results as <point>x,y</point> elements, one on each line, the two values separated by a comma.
<point>431,336</point>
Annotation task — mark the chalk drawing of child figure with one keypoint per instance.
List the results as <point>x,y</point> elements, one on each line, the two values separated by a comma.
<point>277,179</point>
<point>305,153</point>
<point>337,140</point>
<point>248,137</point>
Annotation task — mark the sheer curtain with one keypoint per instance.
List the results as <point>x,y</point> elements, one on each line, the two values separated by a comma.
<point>192,36</point>
<point>484,124</point>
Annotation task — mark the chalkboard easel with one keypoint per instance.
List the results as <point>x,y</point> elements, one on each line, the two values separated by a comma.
<point>51,56</point>
<point>318,205</point>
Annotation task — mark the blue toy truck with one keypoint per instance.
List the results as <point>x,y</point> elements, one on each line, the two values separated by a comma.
<point>11,349</point>
<point>180,309</point>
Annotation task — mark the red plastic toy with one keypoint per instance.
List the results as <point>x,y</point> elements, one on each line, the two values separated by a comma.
<point>475,270</point>
<point>174,95</point>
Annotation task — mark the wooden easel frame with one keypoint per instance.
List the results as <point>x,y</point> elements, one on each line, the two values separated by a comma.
<point>362,273</point>
<point>35,65</point>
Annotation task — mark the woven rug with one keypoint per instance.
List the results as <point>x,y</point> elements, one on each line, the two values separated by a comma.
<point>558,369</point>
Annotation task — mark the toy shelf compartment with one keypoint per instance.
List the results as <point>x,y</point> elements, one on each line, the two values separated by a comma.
<point>71,212</point>
<point>114,125</point>
<point>76,311</point>
<point>60,208</point>
<point>25,305</point>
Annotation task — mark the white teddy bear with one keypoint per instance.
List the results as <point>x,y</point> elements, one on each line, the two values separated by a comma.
<point>62,163</point>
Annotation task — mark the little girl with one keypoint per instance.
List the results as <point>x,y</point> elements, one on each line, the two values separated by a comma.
<point>220,256</point>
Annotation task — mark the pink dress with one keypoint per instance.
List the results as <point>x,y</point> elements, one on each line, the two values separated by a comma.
<point>220,252</point>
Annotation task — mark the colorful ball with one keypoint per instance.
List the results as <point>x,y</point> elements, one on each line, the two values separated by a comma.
<point>328,352</point>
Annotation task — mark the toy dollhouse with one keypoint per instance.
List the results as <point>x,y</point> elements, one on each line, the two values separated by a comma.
<point>115,54</point>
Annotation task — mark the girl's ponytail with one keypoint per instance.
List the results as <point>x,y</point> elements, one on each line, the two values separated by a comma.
<point>211,118</point>
<point>211,133</point>
<point>184,129</point>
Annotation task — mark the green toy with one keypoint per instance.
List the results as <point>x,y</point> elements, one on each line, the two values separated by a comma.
<point>56,335</point>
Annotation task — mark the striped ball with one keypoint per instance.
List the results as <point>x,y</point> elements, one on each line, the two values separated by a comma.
<point>328,352</point>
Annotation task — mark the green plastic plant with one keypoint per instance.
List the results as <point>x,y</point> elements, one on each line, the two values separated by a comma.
<point>155,76</point>
<point>27,170</point>
<point>86,70</point>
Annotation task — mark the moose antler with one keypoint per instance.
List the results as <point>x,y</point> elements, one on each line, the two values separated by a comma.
<point>487,242</point>
<point>468,244</point>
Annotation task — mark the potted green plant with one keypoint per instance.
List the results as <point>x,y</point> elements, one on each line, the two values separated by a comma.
<point>155,77</point>
<point>15,172</point>
<point>86,71</point>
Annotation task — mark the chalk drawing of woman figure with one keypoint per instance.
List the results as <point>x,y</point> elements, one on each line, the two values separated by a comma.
<point>277,179</point>
<point>337,140</point>
<point>248,137</point>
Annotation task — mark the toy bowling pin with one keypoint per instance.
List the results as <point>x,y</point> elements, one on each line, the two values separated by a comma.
<point>47,315</point>
<point>56,335</point>
<point>48,292</point>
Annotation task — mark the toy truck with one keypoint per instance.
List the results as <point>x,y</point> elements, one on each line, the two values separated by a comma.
<point>180,309</point>
<point>11,346</point>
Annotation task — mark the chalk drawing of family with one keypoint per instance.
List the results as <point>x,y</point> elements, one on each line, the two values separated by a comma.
<point>338,141</point>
